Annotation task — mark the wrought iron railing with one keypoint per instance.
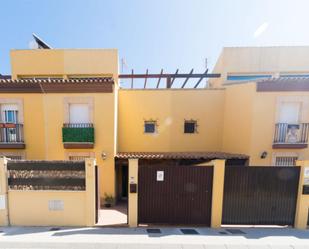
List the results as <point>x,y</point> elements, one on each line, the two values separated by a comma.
<point>78,133</point>
<point>291,133</point>
<point>78,125</point>
<point>11,133</point>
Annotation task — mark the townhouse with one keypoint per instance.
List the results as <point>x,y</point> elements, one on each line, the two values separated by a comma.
<point>68,104</point>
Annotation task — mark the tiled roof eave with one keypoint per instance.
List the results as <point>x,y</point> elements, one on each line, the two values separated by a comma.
<point>179,155</point>
<point>57,85</point>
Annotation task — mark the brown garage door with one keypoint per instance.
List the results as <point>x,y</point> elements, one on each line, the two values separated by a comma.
<point>260,195</point>
<point>183,196</point>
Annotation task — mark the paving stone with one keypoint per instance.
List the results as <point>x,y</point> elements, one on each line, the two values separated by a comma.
<point>215,246</point>
<point>193,247</point>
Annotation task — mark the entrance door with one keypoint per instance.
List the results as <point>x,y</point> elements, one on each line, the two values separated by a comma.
<point>169,194</point>
<point>260,195</point>
<point>124,186</point>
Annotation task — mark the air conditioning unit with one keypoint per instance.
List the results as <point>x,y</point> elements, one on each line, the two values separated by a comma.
<point>293,133</point>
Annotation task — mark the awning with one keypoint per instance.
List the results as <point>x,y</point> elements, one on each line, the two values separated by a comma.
<point>179,155</point>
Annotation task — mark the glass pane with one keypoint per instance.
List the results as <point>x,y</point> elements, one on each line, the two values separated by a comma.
<point>149,127</point>
<point>189,127</point>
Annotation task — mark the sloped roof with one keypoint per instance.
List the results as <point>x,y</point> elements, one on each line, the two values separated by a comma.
<point>33,85</point>
<point>179,155</point>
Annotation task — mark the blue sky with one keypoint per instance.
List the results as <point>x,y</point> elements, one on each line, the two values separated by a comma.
<point>156,34</point>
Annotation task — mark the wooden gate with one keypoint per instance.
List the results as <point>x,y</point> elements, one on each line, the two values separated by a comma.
<point>169,194</point>
<point>258,195</point>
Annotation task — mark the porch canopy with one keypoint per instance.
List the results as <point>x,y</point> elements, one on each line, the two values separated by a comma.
<point>184,158</point>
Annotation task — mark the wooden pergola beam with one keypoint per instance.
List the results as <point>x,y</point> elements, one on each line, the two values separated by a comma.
<point>132,78</point>
<point>142,76</point>
<point>159,78</point>
<point>187,78</point>
<point>199,81</point>
<point>146,78</point>
<point>173,79</point>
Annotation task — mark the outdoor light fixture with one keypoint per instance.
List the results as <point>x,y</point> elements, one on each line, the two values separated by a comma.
<point>103,155</point>
<point>264,155</point>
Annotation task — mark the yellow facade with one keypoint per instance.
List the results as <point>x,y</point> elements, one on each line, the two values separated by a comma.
<point>44,114</point>
<point>231,116</point>
<point>170,108</point>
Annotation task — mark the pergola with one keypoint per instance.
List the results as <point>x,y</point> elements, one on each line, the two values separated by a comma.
<point>170,78</point>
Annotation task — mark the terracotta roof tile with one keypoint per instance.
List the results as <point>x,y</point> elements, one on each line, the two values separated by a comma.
<point>60,81</point>
<point>85,85</point>
<point>179,155</point>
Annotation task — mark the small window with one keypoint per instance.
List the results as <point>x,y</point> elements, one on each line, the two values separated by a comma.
<point>150,126</point>
<point>190,126</point>
<point>286,160</point>
<point>9,113</point>
<point>79,113</point>
<point>78,158</point>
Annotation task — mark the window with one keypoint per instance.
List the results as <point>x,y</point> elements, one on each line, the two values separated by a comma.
<point>79,113</point>
<point>150,126</point>
<point>289,112</point>
<point>9,113</point>
<point>13,155</point>
<point>247,77</point>
<point>286,160</point>
<point>190,126</point>
<point>79,156</point>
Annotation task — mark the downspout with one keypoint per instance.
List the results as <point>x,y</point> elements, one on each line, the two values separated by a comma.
<point>45,121</point>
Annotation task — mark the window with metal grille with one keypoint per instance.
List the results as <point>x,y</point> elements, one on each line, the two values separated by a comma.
<point>190,126</point>
<point>150,126</point>
<point>13,156</point>
<point>78,158</point>
<point>286,160</point>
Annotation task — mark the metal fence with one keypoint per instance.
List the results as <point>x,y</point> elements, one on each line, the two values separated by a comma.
<point>46,175</point>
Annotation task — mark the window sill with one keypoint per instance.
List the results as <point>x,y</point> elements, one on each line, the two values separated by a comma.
<point>12,146</point>
<point>78,145</point>
<point>290,146</point>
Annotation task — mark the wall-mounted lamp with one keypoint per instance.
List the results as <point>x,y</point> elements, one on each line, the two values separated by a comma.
<point>264,154</point>
<point>103,155</point>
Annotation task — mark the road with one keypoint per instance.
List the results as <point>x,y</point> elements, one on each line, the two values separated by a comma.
<point>164,238</point>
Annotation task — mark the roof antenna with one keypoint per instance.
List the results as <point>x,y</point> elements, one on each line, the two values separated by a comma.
<point>40,43</point>
<point>206,68</point>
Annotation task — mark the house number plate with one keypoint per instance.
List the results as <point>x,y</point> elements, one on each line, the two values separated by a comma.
<point>160,176</point>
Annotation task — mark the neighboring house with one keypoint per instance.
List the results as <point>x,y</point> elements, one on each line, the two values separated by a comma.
<point>67,104</point>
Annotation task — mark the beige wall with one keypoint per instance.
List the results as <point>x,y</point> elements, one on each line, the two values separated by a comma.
<point>170,108</point>
<point>249,121</point>
<point>24,203</point>
<point>64,62</point>
<point>261,60</point>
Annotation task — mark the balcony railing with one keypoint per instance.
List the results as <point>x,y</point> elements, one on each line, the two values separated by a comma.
<point>291,135</point>
<point>78,135</point>
<point>12,135</point>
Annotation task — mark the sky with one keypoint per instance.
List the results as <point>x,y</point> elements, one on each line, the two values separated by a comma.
<point>154,34</point>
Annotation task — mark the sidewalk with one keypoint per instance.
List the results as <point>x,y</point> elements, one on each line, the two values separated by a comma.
<point>171,238</point>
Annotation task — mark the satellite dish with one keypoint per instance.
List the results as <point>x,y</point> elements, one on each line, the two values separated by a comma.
<point>40,43</point>
<point>33,45</point>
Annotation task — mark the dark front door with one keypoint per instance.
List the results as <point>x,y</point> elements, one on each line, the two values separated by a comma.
<point>260,195</point>
<point>124,184</point>
<point>170,194</point>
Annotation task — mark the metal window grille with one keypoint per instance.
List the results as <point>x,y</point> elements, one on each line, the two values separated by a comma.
<point>286,161</point>
<point>78,158</point>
